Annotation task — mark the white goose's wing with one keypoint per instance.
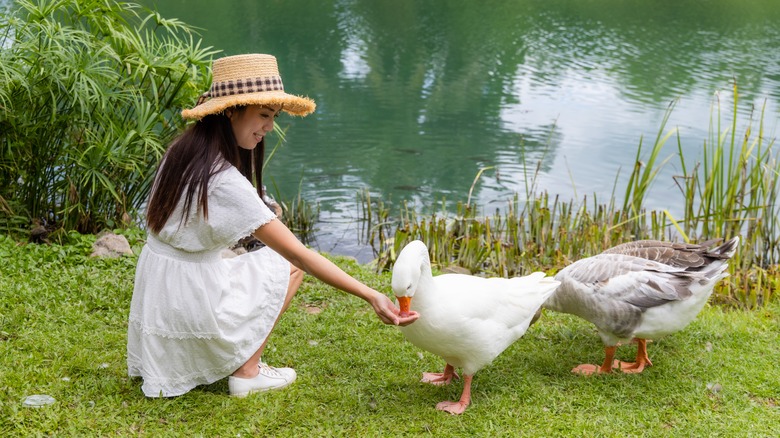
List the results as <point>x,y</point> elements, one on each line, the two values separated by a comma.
<point>685,255</point>
<point>470,320</point>
<point>510,301</point>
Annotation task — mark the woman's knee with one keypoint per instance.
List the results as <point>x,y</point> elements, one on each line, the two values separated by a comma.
<point>296,273</point>
<point>296,278</point>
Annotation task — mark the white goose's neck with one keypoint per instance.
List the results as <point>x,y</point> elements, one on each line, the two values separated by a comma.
<point>426,288</point>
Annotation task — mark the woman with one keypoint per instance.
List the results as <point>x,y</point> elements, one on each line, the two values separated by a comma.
<point>196,317</point>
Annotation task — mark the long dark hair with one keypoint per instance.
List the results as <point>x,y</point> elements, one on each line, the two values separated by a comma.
<point>190,162</point>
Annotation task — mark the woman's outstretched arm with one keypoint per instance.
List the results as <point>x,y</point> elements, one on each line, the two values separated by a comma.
<point>279,238</point>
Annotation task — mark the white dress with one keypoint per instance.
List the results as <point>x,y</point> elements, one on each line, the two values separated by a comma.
<point>196,317</point>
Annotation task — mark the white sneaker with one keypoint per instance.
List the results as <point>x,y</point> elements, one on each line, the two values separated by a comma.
<point>267,379</point>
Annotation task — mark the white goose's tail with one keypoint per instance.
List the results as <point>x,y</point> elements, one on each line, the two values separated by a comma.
<point>535,289</point>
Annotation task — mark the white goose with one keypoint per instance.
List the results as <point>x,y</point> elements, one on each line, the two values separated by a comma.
<point>466,320</point>
<point>638,291</point>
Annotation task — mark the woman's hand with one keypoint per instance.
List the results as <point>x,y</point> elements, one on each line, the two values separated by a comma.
<point>389,313</point>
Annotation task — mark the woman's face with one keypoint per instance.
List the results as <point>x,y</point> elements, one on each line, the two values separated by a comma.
<point>253,123</point>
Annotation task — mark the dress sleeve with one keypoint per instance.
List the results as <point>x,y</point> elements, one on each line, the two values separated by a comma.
<point>235,208</point>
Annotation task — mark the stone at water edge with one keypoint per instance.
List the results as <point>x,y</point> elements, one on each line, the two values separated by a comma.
<point>111,245</point>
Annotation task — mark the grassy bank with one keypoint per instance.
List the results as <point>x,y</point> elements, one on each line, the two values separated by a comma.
<point>63,319</point>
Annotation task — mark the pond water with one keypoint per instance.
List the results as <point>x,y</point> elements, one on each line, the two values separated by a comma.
<point>415,97</point>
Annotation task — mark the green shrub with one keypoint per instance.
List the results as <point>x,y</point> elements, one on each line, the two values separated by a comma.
<point>89,97</point>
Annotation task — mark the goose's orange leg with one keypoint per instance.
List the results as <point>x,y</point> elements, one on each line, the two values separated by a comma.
<point>642,360</point>
<point>606,366</point>
<point>440,378</point>
<point>458,407</point>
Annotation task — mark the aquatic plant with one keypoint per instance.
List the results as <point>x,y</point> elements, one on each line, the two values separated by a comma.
<point>732,191</point>
<point>300,216</point>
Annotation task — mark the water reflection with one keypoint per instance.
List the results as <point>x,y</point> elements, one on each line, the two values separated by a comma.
<point>415,97</point>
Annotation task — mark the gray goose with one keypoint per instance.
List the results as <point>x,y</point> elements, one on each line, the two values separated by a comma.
<point>638,291</point>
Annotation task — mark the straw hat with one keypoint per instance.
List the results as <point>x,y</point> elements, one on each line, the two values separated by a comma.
<point>247,80</point>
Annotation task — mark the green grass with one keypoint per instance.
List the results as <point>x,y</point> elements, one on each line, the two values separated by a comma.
<point>63,318</point>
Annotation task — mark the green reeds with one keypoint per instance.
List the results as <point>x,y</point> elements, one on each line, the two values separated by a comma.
<point>299,215</point>
<point>732,191</point>
<point>644,173</point>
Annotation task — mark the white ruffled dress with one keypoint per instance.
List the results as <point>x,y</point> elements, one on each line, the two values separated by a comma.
<point>196,317</point>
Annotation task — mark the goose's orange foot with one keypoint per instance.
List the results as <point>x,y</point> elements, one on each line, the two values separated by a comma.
<point>458,407</point>
<point>439,379</point>
<point>454,408</point>
<point>642,360</point>
<point>631,367</point>
<point>587,369</point>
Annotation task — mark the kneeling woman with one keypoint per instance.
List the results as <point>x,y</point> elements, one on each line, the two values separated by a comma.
<point>195,317</point>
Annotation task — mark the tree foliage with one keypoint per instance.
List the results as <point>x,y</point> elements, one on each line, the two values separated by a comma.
<point>90,92</point>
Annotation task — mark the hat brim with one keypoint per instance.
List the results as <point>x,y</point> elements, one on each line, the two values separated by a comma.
<point>291,104</point>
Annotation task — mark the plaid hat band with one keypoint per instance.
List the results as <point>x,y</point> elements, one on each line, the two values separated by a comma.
<point>243,86</point>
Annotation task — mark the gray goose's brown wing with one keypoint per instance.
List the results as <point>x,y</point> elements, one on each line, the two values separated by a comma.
<point>691,256</point>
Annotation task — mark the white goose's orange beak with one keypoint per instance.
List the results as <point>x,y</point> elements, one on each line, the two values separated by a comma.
<point>404,303</point>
